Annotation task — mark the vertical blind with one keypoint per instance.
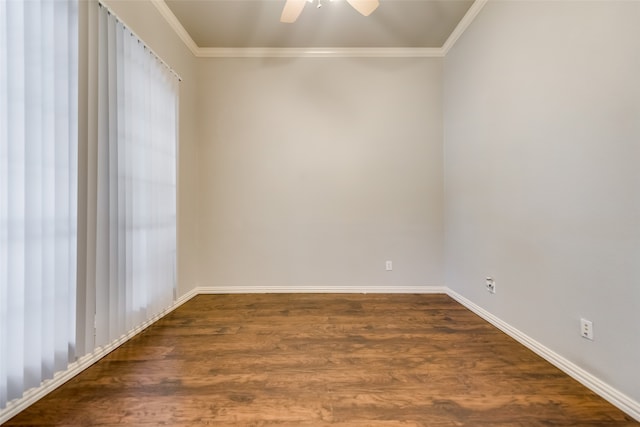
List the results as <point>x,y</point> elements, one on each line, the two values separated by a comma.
<point>135,172</point>
<point>38,181</point>
<point>129,243</point>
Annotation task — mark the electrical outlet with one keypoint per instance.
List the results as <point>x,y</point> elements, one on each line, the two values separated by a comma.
<point>388,265</point>
<point>490,284</point>
<point>586,329</point>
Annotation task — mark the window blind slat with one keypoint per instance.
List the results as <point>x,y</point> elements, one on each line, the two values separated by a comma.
<point>38,190</point>
<point>136,114</point>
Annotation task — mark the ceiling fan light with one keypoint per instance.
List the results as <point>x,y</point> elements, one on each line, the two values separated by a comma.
<point>365,7</point>
<point>292,9</point>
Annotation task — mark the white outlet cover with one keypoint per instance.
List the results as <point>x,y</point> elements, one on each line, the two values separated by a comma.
<point>586,329</point>
<point>490,285</point>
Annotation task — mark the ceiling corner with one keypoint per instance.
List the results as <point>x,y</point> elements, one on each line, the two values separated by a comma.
<point>171,19</point>
<point>464,23</point>
<point>246,52</point>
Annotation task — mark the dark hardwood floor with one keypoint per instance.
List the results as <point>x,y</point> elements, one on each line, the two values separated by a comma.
<point>314,360</point>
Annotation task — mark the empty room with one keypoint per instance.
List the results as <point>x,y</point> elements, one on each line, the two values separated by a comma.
<point>315,212</point>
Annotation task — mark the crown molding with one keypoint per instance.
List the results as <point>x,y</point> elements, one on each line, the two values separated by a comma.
<point>358,52</point>
<point>329,52</point>
<point>174,23</point>
<point>462,26</point>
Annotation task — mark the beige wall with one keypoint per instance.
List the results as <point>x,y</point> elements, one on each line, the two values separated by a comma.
<point>307,172</point>
<point>315,171</point>
<point>143,18</point>
<point>542,155</point>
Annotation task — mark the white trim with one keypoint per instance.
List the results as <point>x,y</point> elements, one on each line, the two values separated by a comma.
<point>604,390</point>
<point>462,26</point>
<point>140,39</point>
<point>322,290</point>
<point>174,23</point>
<point>31,396</point>
<point>319,52</point>
<point>363,52</point>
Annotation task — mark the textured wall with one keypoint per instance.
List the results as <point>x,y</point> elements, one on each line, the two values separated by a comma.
<point>542,147</point>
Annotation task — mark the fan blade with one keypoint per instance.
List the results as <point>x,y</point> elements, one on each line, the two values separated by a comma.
<point>365,7</point>
<point>292,9</point>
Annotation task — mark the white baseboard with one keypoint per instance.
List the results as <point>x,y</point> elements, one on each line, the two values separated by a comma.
<point>322,290</point>
<point>33,395</point>
<point>604,390</point>
<point>615,397</point>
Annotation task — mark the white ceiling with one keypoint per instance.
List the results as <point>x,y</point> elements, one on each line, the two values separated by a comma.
<point>256,24</point>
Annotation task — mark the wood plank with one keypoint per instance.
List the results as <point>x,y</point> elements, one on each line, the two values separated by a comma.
<point>322,359</point>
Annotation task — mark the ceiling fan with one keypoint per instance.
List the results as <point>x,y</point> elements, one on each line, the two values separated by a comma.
<point>293,8</point>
